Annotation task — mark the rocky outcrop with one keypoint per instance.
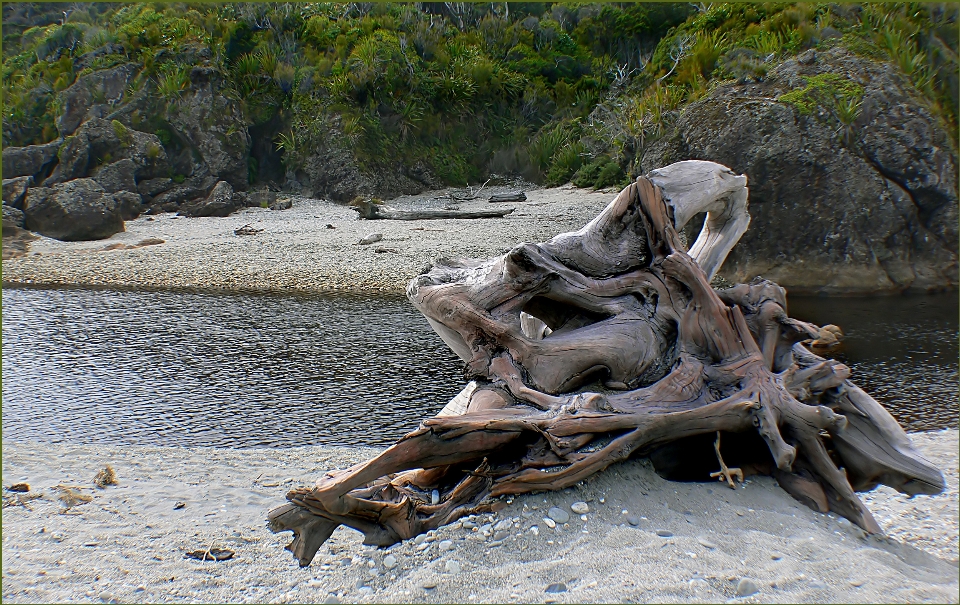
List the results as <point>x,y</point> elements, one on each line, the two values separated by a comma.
<point>865,208</point>
<point>77,210</point>
<point>118,176</point>
<point>101,141</point>
<point>170,201</point>
<point>214,127</point>
<point>14,190</point>
<point>16,239</point>
<point>331,172</point>
<point>32,160</point>
<point>221,202</point>
<point>151,188</point>
<point>130,204</point>
<point>12,219</point>
<point>104,87</point>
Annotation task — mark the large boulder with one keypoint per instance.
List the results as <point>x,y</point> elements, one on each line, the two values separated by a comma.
<point>213,126</point>
<point>77,210</point>
<point>100,87</point>
<point>130,204</point>
<point>100,142</point>
<point>867,208</point>
<point>221,202</point>
<point>32,160</point>
<point>14,190</point>
<point>12,220</point>
<point>154,187</point>
<point>171,200</point>
<point>118,176</point>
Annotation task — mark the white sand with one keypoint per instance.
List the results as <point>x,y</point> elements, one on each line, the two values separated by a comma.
<point>128,544</point>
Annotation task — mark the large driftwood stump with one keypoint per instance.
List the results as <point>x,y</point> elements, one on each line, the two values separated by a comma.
<point>607,343</point>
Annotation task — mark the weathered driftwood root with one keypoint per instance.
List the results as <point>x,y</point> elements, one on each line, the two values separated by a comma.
<point>370,211</point>
<point>620,308</point>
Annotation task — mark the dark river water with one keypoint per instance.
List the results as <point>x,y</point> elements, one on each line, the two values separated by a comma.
<point>240,370</point>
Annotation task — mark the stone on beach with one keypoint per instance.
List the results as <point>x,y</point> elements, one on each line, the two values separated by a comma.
<point>558,514</point>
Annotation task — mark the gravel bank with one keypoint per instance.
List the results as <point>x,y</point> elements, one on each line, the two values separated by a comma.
<point>295,252</point>
<point>642,539</point>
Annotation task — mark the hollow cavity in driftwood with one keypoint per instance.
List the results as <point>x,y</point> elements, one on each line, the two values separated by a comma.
<point>608,343</point>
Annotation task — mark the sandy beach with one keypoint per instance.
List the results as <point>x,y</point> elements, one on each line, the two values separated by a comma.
<point>691,542</point>
<point>644,539</point>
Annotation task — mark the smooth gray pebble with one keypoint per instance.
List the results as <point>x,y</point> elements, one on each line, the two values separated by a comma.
<point>558,514</point>
<point>747,587</point>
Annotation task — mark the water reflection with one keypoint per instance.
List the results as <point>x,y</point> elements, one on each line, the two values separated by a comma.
<point>233,370</point>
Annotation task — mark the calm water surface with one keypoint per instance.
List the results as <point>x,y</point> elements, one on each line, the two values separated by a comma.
<point>226,370</point>
<point>238,370</point>
<point>903,351</point>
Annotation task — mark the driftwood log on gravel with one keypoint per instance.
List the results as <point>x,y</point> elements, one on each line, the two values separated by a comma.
<point>608,343</point>
<point>368,210</point>
<point>515,196</point>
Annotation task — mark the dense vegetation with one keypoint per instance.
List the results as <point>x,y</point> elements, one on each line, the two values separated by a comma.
<point>552,91</point>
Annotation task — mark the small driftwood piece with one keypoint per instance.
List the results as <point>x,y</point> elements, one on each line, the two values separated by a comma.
<point>515,196</point>
<point>370,211</point>
<point>607,343</point>
<point>247,230</point>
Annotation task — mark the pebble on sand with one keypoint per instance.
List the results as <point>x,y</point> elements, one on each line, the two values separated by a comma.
<point>373,237</point>
<point>580,508</point>
<point>389,561</point>
<point>747,587</point>
<point>558,514</point>
<point>556,587</point>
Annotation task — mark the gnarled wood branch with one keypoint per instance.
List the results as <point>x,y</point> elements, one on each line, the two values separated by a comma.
<point>607,343</point>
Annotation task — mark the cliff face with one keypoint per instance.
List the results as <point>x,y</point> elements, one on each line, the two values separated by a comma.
<point>853,181</point>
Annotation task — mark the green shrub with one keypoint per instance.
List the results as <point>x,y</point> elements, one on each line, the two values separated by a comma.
<point>58,39</point>
<point>824,90</point>
<point>122,132</point>
<point>165,136</point>
<point>566,162</point>
<point>172,81</point>
<point>601,172</point>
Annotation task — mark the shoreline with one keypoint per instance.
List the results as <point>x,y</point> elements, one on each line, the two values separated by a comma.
<point>128,543</point>
<point>296,252</point>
